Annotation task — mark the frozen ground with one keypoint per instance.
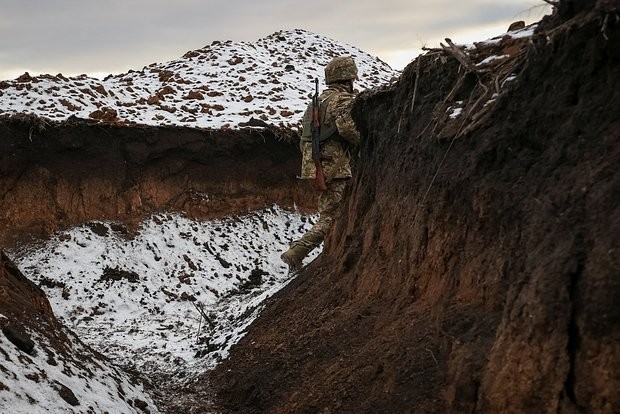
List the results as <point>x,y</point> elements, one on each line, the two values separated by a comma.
<point>138,300</point>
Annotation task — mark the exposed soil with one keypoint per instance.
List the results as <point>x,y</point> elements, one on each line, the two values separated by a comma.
<point>53,175</point>
<point>18,294</point>
<point>473,273</point>
<point>474,268</point>
<point>56,175</point>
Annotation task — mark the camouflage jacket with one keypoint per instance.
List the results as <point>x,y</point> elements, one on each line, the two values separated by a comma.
<point>335,106</point>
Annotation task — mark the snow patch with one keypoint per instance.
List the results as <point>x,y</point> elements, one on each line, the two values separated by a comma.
<point>138,299</point>
<point>47,382</point>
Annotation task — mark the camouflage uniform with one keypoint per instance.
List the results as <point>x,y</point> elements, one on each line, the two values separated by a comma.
<point>335,104</point>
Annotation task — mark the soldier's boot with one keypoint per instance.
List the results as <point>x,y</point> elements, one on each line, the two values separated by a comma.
<point>294,256</point>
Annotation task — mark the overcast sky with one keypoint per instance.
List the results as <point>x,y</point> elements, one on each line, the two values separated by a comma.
<point>99,37</point>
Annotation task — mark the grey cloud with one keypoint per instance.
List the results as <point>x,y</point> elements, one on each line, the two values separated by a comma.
<point>76,35</point>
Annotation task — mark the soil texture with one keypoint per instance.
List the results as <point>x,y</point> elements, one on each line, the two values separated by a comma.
<point>469,272</point>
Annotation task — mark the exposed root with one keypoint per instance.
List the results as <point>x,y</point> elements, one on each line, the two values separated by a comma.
<point>492,63</point>
<point>461,56</point>
<point>418,64</point>
<point>415,86</point>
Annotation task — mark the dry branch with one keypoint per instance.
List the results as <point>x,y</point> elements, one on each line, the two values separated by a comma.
<point>432,49</point>
<point>461,56</point>
<point>417,79</point>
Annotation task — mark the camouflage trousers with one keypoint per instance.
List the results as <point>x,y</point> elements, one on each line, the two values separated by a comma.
<point>329,202</point>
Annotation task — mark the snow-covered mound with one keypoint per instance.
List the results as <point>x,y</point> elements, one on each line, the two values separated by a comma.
<point>46,368</point>
<point>140,299</point>
<point>222,85</point>
<point>48,382</point>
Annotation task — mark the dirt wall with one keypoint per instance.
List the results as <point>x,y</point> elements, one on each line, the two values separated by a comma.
<point>469,274</point>
<point>56,175</point>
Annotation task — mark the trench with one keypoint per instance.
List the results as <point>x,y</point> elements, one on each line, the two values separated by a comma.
<point>57,175</point>
<point>463,273</point>
<point>80,181</point>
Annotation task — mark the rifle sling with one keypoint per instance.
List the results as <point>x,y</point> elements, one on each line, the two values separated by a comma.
<point>324,136</point>
<point>328,133</point>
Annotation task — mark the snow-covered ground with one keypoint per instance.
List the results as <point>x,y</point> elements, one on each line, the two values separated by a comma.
<point>138,300</point>
<point>222,85</point>
<point>141,300</point>
<point>49,382</point>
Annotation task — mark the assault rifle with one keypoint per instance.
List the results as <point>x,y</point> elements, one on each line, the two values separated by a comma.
<point>319,177</point>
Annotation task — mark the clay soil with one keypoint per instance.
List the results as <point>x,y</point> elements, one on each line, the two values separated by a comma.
<point>474,272</point>
<point>54,175</point>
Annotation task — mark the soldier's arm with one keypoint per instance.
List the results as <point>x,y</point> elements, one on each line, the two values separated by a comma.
<point>344,122</point>
<point>347,129</point>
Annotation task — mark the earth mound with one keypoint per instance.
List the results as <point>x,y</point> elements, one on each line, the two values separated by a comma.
<point>47,366</point>
<point>474,267</point>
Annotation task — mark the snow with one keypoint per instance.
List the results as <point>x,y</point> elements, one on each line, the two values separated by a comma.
<point>526,32</point>
<point>143,316</point>
<point>509,79</point>
<point>222,85</point>
<point>135,298</point>
<point>491,59</point>
<point>30,383</point>
<point>455,111</point>
<point>150,323</point>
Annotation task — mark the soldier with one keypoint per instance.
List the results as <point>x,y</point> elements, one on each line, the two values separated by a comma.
<point>335,105</point>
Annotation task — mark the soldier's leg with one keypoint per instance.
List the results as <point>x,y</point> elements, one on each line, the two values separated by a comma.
<point>329,202</point>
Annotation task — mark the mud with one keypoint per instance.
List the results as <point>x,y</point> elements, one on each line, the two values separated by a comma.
<point>473,273</point>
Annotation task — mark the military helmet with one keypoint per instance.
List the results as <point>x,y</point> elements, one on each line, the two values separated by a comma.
<point>340,68</point>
